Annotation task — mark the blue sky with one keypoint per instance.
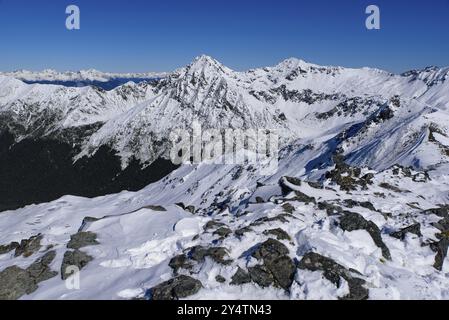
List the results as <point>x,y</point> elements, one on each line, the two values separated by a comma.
<point>147,35</point>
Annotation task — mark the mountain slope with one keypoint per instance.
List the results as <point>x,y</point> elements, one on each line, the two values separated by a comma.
<point>372,117</point>
<point>146,238</point>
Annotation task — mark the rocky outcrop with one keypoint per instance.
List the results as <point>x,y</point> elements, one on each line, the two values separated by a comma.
<point>351,221</point>
<point>175,289</point>
<point>188,208</point>
<point>16,282</point>
<point>223,232</point>
<point>440,248</point>
<point>278,233</point>
<point>74,258</point>
<point>277,267</point>
<point>240,277</point>
<point>213,224</point>
<point>82,239</point>
<point>288,184</point>
<point>8,247</point>
<point>333,272</point>
<point>28,247</point>
<point>217,254</point>
<point>156,208</point>
<point>414,229</point>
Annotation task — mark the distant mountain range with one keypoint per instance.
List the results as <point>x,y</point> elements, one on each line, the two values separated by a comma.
<point>91,77</point>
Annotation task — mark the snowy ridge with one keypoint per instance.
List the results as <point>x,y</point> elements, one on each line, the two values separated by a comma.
<point>294,97</point>
<point>82,75</point>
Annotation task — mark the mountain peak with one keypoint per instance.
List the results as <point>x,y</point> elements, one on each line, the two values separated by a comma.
<point>292,63</point>
<point>204,62</point>
<point>206,65</point>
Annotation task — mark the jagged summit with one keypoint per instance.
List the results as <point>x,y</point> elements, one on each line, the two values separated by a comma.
<point>206,66</point>
<point>291,63</point>
<point>430,75</point>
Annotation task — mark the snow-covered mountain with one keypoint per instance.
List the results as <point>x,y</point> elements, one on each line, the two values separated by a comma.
<point>375,118</point>
<point>82,75</point>
<point>304,101</point>
<point>223,232</point>
<point>104,80</point>
<point>357,207</point>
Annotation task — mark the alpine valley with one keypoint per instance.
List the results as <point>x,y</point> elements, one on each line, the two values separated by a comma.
<point>357,209</point>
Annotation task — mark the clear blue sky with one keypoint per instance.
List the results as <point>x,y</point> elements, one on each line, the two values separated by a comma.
<point>147,35</point>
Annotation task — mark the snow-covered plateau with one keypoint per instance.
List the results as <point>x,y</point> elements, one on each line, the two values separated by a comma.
<point>357,209</point>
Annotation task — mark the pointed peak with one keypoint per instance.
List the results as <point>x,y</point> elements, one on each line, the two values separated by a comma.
<point>205,61</point>
<point>206,64</point>
<point>292,63</point>
<point>205,58</point>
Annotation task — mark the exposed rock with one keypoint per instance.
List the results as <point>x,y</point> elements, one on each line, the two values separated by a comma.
<point>261,275</point>
<point>278,233</point>
<point>220,279</point>
<point>190,209</point>
<point>442,225</point>
<point>352,221</point>
<point>368,178</point>
<point>277,269</point>
<point>82,239</point>
<point>415,229</point>
<point>240,277</point>
<point>217,254</point>
<point>333,272</point>
<point>390,187</point>
<point>223,232</point>
<point>280,217</point>
<point>406,171</point>
<point>283,270</point>
<point>442,211</point>
<point>213,224</point>
<point>9,247</point>
<point>156,208</point>
<point>284,184</point>
<point>365,204</point>
<point>302,197</point>
<point>347,177</point>
<point>40,270</point>
<point>75,258</point>
<point>315,185</point>
<point>288,208</point>
<point>259,200</point>
<point>86,222</point>
<point>180,262</point>
<point>270,249</point>
<point>180,287</point>
<point>441,249</point>
<point>16,282</point>
<point>260,184</point>
<point>28,247</point>
<point>240,232</point>
<point>331,209</point>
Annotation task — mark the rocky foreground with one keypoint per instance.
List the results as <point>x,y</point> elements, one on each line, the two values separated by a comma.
<point>356,234</point>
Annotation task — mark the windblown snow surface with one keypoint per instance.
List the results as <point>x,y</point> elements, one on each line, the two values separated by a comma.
<point>357,208</point>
